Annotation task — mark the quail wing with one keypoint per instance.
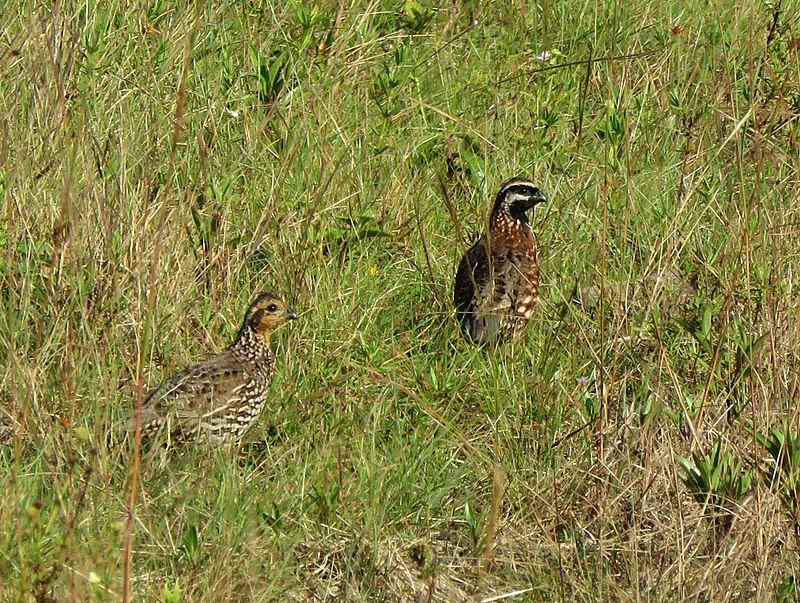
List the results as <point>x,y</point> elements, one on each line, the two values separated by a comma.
<point>188,398</point>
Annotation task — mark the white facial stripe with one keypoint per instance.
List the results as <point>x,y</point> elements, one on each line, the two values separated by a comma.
<point>514,197</point>
<point>517,183</point>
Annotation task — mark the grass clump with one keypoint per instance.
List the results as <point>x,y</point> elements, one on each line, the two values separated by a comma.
<point>717,480</point>
<point>783,445</point>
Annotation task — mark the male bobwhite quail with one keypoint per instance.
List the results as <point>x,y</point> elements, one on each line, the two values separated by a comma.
<point>218,399</point>
<point>498,278</point>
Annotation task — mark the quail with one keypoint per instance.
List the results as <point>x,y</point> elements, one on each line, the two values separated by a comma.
<point>498,278</point>
<point>218,399</point>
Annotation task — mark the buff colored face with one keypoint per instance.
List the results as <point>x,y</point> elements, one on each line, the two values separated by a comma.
<point>267,313</point>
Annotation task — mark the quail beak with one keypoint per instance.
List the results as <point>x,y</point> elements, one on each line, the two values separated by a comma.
<point>538,197</point>
<point>291,314</point>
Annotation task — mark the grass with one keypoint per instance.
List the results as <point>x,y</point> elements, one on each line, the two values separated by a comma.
<point>159,165</point>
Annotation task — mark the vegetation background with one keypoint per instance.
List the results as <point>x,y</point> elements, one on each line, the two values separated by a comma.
<point>161,162</point>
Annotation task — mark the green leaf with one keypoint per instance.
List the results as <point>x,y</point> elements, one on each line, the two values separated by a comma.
<point>706,324</point>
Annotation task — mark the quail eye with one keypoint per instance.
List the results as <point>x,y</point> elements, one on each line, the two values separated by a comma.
<point>272,307</point>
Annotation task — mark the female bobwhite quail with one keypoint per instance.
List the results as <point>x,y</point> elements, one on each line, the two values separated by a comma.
<point>218,399</point>
<point>498,278</point>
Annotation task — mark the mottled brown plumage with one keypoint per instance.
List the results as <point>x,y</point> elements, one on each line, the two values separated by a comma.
<point>498,278</point>
<point>218,399</point>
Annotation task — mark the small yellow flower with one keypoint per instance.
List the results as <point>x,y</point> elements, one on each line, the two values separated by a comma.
<point>372,270</point>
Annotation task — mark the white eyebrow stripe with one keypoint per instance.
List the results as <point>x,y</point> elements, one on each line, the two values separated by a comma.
<point>516,182</point>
